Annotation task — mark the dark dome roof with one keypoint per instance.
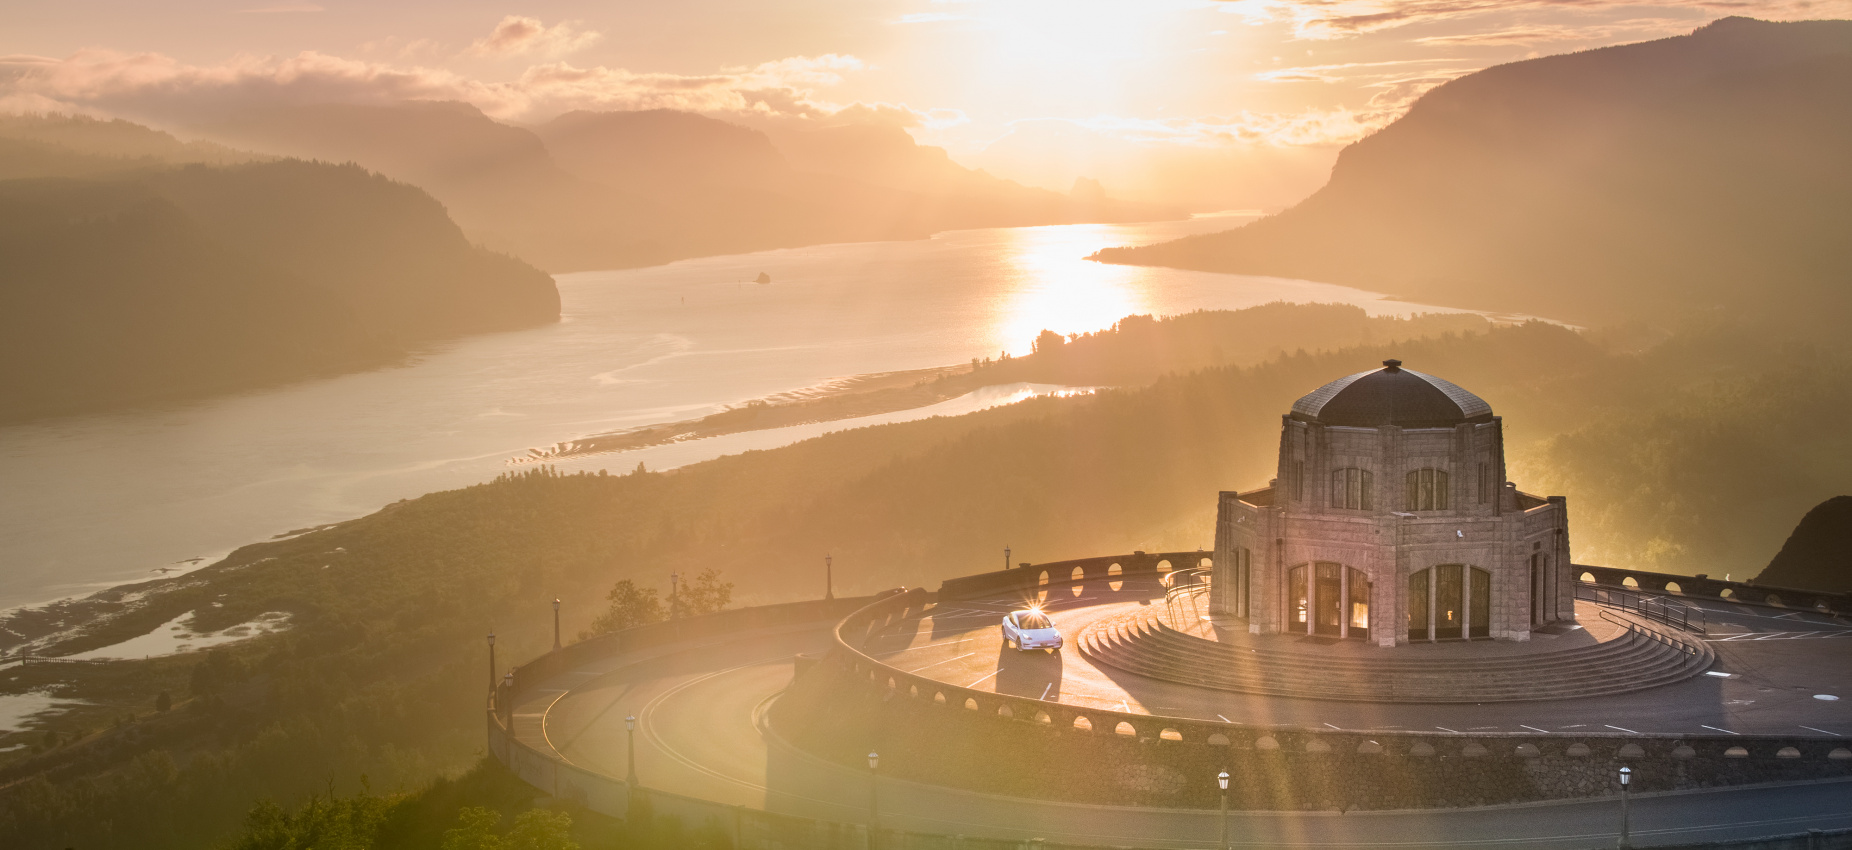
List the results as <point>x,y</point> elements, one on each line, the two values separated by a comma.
<point>1391,395</point>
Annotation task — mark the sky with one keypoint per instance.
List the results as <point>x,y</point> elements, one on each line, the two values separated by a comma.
<point>1215,104</point>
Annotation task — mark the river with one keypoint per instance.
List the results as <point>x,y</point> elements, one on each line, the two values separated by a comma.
<point>95,501</point>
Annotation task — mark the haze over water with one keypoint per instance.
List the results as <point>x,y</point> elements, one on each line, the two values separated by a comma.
<point>96,501</point>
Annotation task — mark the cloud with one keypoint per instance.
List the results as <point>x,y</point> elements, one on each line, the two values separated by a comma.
<point>283,9</point>
<point>1294,75</point>
<point>1325,19</point>
<point>1537,34</point>
<point>160,88</point>
<point>930,17</point>
<point>517,35</point>
<point>1314,127</point>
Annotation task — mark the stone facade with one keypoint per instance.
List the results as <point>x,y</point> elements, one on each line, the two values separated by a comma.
<point>1392,533</point>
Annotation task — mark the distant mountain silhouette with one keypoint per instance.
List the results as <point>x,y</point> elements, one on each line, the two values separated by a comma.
<point>1702,171</point>
<point>1818,555</point>
<point>123,282</point>
<point>615,189</point>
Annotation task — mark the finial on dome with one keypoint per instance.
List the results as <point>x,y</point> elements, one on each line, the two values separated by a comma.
<point>1393,365</point>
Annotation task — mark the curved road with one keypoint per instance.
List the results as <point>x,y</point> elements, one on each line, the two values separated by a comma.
<point>699,734</point>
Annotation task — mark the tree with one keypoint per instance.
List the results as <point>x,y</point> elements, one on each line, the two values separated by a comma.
<point>475,830</point>
<point>535,829</point>
<point>707,594</point>
<point>630,606</point>
<point>1047,342</point>
<point>216,672</point>
<point>540,829</point>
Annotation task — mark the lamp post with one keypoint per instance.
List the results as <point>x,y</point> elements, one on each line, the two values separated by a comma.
<point>874,804</point>
<point>1626,778</point>
<point>556,622</point>
<point>675,583</point>
<point>829,578</point>
<point>1006,557</point>
<point>630,749</point>
<point>491,660</point>
<point>1222,780</point>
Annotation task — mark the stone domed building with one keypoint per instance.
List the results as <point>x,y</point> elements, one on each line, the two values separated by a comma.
<point>1391,521</point>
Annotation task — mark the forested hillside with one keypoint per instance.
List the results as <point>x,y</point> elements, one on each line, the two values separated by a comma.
<point>125,279</point>
<point>596,190</point>
<point>1667,454</point>
<point>1676,176</point>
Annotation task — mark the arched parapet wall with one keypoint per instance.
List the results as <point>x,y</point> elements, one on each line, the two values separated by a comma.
<point>1705,587</point>
<point>843,707</point>
<point>1026,577</point>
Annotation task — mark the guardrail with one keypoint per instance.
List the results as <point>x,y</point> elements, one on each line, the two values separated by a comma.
<point>743,828</point>
<point>941,733</point>
<point>1656,608</point>
<point>1705,587</point>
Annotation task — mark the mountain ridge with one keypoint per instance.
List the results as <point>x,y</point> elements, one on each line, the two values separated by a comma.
<point>1610,183</point>
<point>124,280</point>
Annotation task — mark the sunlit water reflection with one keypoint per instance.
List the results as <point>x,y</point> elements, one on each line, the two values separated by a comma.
<point>98,500</point>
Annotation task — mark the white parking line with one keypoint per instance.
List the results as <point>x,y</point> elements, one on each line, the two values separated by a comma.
<point>942,661</point>
<point>1535,729</point>
<point>1628,731</point>
<point>1051,686</point>
<point>1823,731</point>
<point>1715,729</point>
<point>1225,720</point>
<point>1340,729</point>
<point>923,645</point>
<point>1445,729</point>
<point>986,677</point>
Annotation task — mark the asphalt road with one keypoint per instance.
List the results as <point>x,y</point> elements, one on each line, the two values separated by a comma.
<point>699,735</point>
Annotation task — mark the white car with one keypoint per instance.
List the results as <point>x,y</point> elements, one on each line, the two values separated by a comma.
<point>1030,629</point>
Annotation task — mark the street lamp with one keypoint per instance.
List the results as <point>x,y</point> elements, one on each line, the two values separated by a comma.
<point>829,578</point>
<point>1222,780</point>
<point>630,749</point>
<point>874,807</point>
<point>1006,557</point>
<point>675,583</point>
<point>556,622</point>
<point>491,660</point>
<point>1626,778</point>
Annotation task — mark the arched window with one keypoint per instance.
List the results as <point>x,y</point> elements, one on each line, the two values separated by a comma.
<point>1427,490</point>
<point>1351,489</point>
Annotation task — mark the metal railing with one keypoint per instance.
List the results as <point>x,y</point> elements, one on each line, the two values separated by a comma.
<point>1185,589</point>
<point>1656,608</point>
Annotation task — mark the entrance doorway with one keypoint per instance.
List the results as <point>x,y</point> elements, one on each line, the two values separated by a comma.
<point>1449,602</point>
<point>1329,599</point>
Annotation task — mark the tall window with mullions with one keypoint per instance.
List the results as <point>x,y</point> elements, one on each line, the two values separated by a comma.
<point>1427,490</point>
<point>1352,489</point>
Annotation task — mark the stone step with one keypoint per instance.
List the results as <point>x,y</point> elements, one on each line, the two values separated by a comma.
<point>1632,662</point>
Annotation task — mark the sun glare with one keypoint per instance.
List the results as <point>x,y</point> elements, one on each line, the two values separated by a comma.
<point>1052,292</point>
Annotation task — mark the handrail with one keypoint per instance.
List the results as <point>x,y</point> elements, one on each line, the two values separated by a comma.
<point>1196,582</point>
<point>1656,608</point>
<point>1684,645</point>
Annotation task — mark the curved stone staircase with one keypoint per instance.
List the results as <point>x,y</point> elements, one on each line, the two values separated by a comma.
<point>1644,657</point>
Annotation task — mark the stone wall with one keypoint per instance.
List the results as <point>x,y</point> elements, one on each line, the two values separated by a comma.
<point>929,731</point>
<point>1704,587</point>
